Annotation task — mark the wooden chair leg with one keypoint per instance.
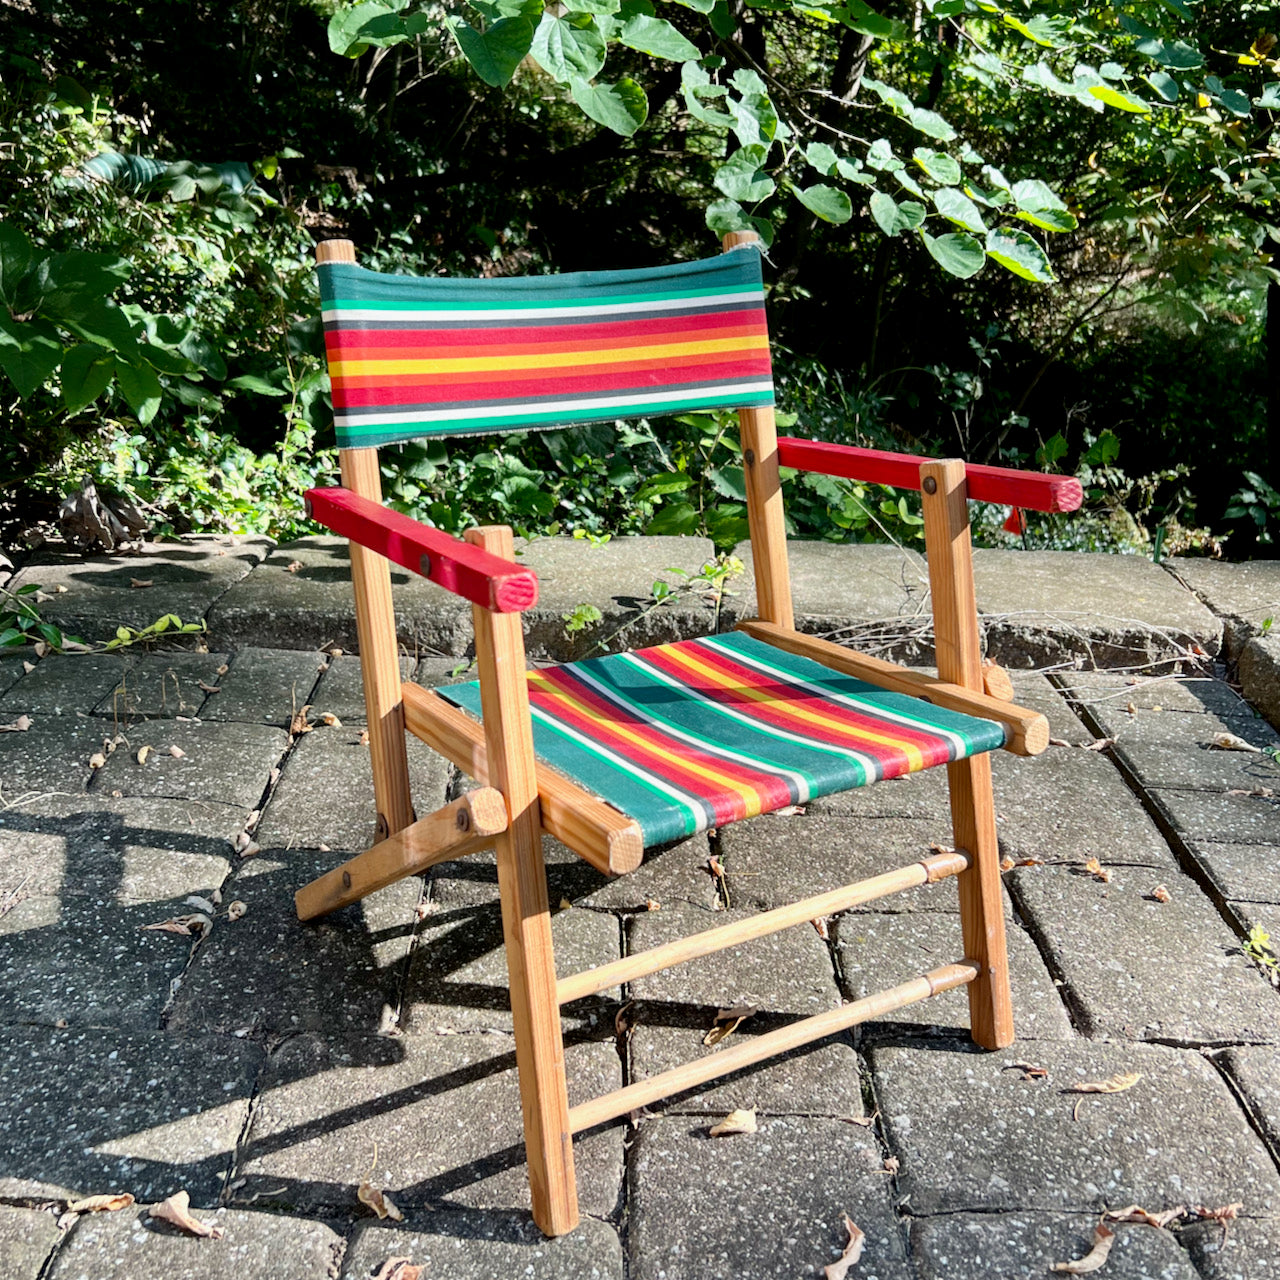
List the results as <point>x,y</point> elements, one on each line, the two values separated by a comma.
<point>973,819</point>
<point>526,915</point>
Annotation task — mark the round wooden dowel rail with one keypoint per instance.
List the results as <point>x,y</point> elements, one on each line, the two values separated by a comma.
<point>757,1048</point>
<point>926,871</point>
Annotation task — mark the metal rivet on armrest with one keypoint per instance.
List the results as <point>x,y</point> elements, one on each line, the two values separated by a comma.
<point>424,566</point>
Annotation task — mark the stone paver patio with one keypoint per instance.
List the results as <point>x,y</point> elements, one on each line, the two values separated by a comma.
<point>269,1068</point>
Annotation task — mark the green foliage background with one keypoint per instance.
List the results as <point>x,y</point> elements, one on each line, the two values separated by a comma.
<point>1035,231</point>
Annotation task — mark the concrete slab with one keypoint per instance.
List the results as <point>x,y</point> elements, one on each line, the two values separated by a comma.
<point>129,1245</point>
<point>772,861</point>
<point>1256,1071</point>
<point>1247,872</point>
<point>11,667</point>
<point>269,974</point>
<point>879,951</point>
<point>1142,969</point>
<point>163,685</point>
<point>616,577</point>
<point>1259,671</point>
<point>341,690</point>
<point>1198,766</point>
<point>325,792</point>
<point>458,973</point>
<point>444,1112</point>
<point>64,683</point>
<point>914,795</point>
<point>787,976</point>
<point>1247,1250</point>
<point>52,755</point>
<point>311,606</point>
<point>1108,696</point>
<point>974,1137</point>
<point>760,1204</point>
<point>1047,607</point>
<point>186,577</point>
<point>1242,595</point>
<point>1072,804</point>
<point>266,686</point>
<point>479,1246</point>
<point>874,597</point>
<point>1210,815</point>
<point>93,1110</point>
<point>1035,691</point>
<point>27,1238</point>
<point>225,763</point>
<point>1025,1246</point>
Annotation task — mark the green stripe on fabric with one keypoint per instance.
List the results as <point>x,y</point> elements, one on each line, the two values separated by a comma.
<point>541,303</point>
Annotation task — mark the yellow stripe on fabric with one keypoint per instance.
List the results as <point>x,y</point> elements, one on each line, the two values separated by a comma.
<point>915,757</point>
<point>554,360</point>
<point>750,795</point>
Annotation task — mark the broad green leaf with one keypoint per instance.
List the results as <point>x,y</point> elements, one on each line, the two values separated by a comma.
<point>1038,205</point>
<point>569,46</point>
<point>674,518</point>
<point>31,355</point>
<point>931,124</point>
<point>938,165</point>
<point>956,207</point>
<point>1166,86</point>
<point>698,6</point>
<point>87,371</point>
<point>204,355</point>
<point>352,31</point>
<point>989,199</point>
<point>946,8</point>
<point>1234,101</point>
<point>621,107</point>
<point>696,84</point>
<point>498,51</point>
<point>908,183</point>
<point>829,203</point>
<point>852,171</point>
<point>259,386</point>
<point>822,157</point>
<point>1179,7</point>
<point>892,217</point>
<point>740,177</point>
<point>595,6</point>
<point>1136,28</point>
<point>140,387</point>
<point>1270,100</point>
<point>1111,71</point>
<point>106,325</point>
<point>729,215</point>
<point>957,254</point>
<point>1020,253</point>
<point>1121,101</point>
<point>722,21</point>
<point>656,36</point>
<point>728,482</point>
<point>70,283</point>
<point>863,19</point>
<point>15,260</point>
<point>492,10</point>
<point>996,178</point>
<point>890,96</point>
<point>1175,54</point>
<point>1041,74</point>
<point>754,119</point>
<point>880,156</point>
<point>1050,32</point>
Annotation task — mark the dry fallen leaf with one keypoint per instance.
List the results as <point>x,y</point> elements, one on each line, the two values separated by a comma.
<point>329,718</point>
<point>208,688</point>
<point>28,667</point>
<point>189,925</point>
<point>624,1023</point>
<point>565,904</point>
<point>58,589</point>
<point>891,1165</point>
<point>739,1121</point>
<point>100,1204</point>
<point>399,1269</point>
<point>1097,870</point>
<point>1099,744</point>
<point>293,566</point>
<point>1116,1084</point>
<point>1103,1238</point>
<point>1006,863</point>
<point>250,849</point>
<point>789,811</point>
<point>364,737</point>
<point>176,1210</point>
<point>726,1023</point>
<point>236,910</point>
<point>1029,1070</point>
<point>300,723</point>
<point>97,760</point>
<point>652,904</point>
<point>1229,742</point>
<point>20,725</point>
<point>222,670</point>
<point>852,1251</point>
<point>1135,1213</point>
<point>200,904</point>
<point>143,753</point>
<point>1161,894</point>
<point>382,1205</point>
<point>142,582</point>
<point>823,928</point>
<point>177,753</point>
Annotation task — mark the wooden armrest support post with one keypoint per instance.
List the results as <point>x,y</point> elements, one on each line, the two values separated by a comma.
<point>1028,730</point>
<point>1030,489</point>
<point>467,571</point>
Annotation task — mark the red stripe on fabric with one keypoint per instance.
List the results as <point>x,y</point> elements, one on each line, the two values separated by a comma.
<point>935,750</point>
<point>452,388</point>
<point>570,337</point>
<point>660,754</point>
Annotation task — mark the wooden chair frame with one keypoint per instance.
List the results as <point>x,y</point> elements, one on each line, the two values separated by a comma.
<point>521,799</point>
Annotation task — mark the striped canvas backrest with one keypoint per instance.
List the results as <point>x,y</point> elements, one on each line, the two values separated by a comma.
<point>415,356</point>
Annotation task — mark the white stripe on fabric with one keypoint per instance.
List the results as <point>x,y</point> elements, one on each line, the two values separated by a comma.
<point>871,767</point>
<point>866,707</point>
<point>696,807</point>
<point>526,313</point>
<point>710,748</point>
<point>492,411</point>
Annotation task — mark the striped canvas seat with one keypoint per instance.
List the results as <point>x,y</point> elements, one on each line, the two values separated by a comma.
<point>697,734</point>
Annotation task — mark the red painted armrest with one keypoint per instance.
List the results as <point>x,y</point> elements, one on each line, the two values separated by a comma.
<point>456,566</point>
<point>1030,489</point>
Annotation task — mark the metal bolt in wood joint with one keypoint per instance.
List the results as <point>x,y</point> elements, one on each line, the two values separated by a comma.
<point>930,485</point>
<point>463,820</point>
<point>749,457</point>
<point>346,879</point>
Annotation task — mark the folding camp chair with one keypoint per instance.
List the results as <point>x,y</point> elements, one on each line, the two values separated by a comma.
<point>616,754</point>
